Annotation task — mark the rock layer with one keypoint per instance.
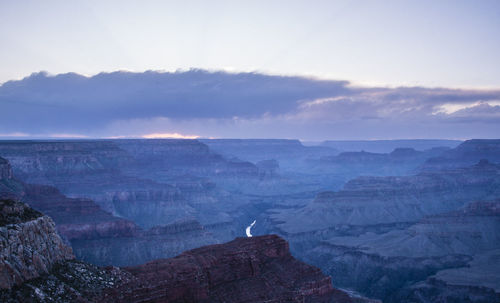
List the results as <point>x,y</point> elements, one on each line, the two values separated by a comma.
<point>29,247</point>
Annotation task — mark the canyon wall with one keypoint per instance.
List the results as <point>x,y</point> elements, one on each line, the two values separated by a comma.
<point>29,244</point>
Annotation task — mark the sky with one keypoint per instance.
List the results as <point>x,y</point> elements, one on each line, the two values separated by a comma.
<point>314,70</point>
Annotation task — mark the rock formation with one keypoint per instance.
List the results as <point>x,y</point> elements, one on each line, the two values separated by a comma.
<point>258,269</point>
<point>29,244</point>
<point>415,234</point>
<point>35,266</point>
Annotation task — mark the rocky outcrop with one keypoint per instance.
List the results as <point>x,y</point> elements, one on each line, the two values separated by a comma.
<point>258,269</point>
<point>12,212</point>
<point>67,282</point>
<point>29,244</point>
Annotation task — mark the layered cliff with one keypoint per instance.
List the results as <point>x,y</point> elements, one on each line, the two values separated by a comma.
<point>29,244</point>
<point>163,159</point>
<point>52,162</point>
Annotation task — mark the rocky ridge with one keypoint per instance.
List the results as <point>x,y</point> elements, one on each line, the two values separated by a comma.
<point>258,269</point>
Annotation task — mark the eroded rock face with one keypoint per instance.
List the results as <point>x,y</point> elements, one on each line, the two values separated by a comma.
<point>29,246</point>
<point>258,269</point>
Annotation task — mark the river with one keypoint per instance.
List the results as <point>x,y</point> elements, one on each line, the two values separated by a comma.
<point>249,227</point>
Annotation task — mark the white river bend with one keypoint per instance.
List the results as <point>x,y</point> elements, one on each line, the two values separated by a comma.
<point>249,227</point>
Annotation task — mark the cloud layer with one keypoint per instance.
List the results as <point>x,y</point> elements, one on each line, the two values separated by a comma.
<point>220,104</point>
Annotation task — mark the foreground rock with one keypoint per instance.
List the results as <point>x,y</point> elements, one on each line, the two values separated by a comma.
<point>258,269</point>
<point>69,281</point>
<point>29,244</point>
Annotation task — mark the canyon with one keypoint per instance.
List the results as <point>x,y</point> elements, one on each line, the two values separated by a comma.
<point>399,224</point>
<point>36,266</point>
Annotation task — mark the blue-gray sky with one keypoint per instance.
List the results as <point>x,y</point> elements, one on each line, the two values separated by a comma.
<point>388,69</point>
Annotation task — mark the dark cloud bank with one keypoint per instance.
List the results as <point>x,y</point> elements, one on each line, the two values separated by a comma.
<point>224,104</point>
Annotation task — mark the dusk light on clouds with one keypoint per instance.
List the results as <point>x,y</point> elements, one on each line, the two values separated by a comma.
<point>288,69</point>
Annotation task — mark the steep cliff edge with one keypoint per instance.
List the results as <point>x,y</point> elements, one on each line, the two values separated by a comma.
<point>29,244</point>
<point>258,269</point>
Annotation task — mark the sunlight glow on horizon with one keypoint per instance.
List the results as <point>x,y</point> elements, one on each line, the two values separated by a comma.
<point>169,136</point>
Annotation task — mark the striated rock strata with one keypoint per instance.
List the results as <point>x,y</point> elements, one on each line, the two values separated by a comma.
<point>29,244</point>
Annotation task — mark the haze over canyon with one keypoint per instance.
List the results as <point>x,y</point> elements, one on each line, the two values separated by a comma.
<point>283,151</point>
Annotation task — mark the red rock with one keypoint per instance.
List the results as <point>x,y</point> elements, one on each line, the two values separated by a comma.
<point>257,269</point>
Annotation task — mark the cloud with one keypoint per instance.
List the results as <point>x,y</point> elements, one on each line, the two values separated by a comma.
<point>221,104</point>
